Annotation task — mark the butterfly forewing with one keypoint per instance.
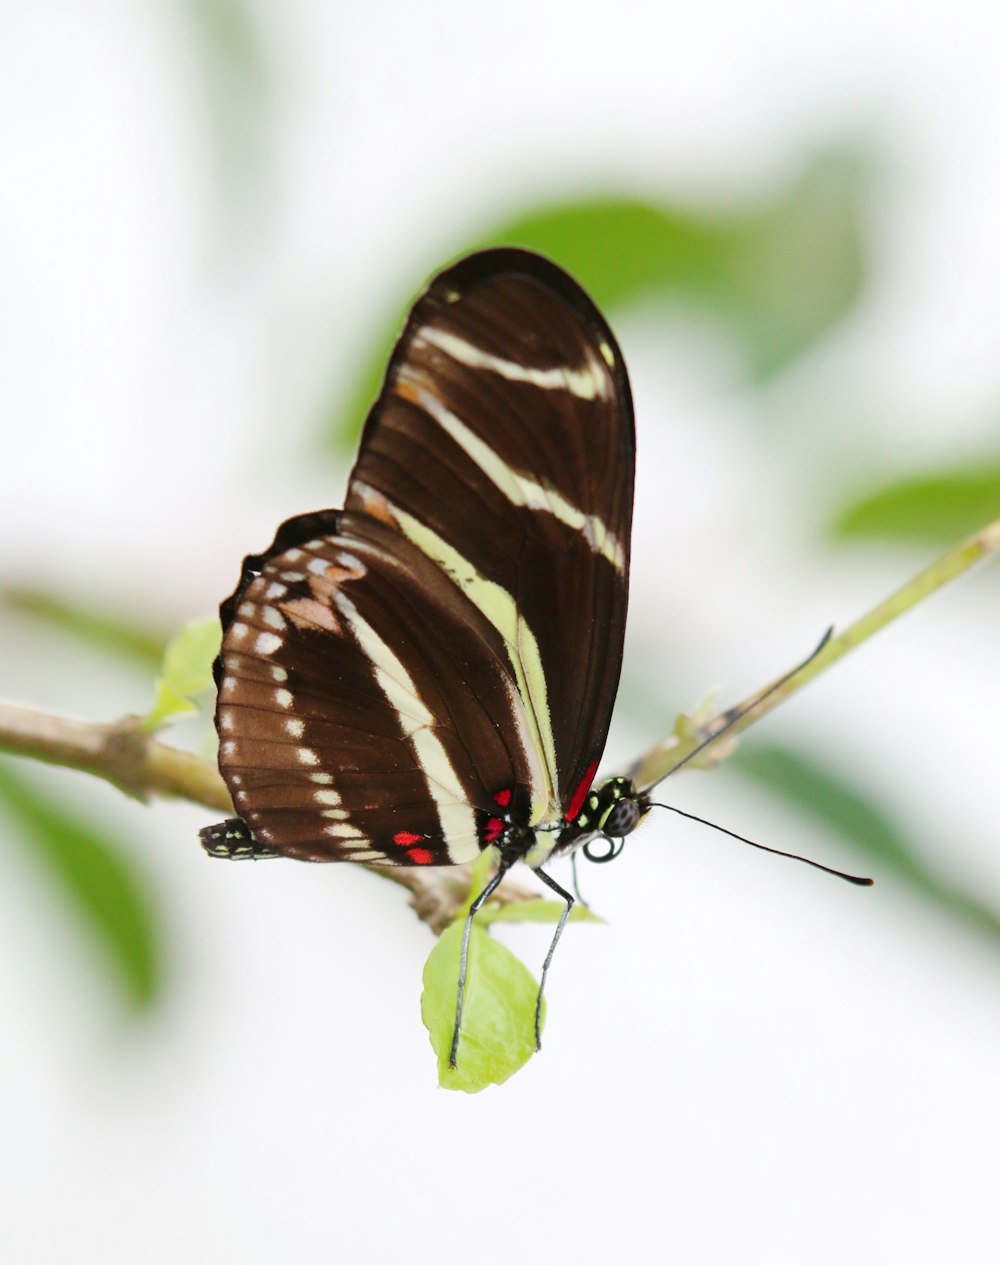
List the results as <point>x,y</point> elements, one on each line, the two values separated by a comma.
<point>503,445</point>
<point>433,668</point>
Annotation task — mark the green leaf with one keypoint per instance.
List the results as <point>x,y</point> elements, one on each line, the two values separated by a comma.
<point>535,911</point>
<point>498,1015</point>
<point>777,274</point>
<point>186,672</point>
<point>866,828</point>
<point>937,508</point>
<point>481,871</point>
<point>95,629</point>
<point>107,892</point>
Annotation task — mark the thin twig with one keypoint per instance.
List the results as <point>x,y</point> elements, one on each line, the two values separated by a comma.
<point>142,767</point>
<point>663,758</point>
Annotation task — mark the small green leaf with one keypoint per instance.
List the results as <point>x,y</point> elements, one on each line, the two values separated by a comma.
<point>108,893</point>
<point>866,828</point>
<point>95,629</point>
<point>481,871</point>
<point>535,911</point>
<point>498,1015</point>
<point>186,672</point>
<point>935,508</point>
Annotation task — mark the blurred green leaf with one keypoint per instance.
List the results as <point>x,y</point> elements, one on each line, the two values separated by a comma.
<point>228,30</point>
<point>937,508</point>
<point>866,828</point>
<point>777,274</point>
<point>96,629</point>
<point>186,671</point>
<point>498,1013</point>
<point>535,911</point>
<point>107,892</point>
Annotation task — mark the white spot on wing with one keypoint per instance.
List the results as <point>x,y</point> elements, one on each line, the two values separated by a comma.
<point>307,756</point>
<point>283,698</point>
<point>267,643</point>
<point>341,830</point>
<point>295,728</point>
<point>325,797</point>
<point>273,618</point>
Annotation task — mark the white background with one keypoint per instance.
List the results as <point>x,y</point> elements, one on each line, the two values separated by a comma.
<point>751,1062</point>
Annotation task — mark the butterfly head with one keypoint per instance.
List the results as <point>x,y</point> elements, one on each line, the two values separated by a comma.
<point>609,813</point>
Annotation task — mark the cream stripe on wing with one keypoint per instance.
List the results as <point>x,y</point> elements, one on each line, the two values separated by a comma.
<point>517,488</point>
<point>458,822</point>
<point>587,383</point>
<point>528,696</point>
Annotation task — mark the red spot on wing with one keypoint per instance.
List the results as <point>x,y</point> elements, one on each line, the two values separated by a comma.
<point>420,856</point>
<point>406,837</point>
<point>494,829</point>
<point>580,794</point>
<point>503,797</point>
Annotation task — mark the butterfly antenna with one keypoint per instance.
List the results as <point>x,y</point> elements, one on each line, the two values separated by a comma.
<point>856,879</point>
<point>735,717</point>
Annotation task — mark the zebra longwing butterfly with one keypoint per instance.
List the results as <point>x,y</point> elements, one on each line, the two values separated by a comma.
<point>431,670</point>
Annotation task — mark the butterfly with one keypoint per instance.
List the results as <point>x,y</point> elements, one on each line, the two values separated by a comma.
<point>430,671</point>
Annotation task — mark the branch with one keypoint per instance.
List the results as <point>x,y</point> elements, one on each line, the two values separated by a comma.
<point>122,754</point>
<point>662,759</point>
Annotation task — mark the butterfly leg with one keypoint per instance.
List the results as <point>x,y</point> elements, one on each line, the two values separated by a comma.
<point>563,918</point>
<point>463,961</point>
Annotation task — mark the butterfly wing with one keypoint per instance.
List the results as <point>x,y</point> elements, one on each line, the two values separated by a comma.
<point>401,681</point>
<point>503,445</point>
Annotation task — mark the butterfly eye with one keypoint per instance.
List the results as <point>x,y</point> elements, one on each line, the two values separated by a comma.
<point>622,819</point>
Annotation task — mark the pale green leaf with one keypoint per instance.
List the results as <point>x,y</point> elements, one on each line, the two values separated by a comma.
<point>536,911</point>
<point>186,672</point>
<point>498,1019</point>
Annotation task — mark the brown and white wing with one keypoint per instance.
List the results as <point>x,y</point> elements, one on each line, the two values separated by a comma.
<point>502,446</point>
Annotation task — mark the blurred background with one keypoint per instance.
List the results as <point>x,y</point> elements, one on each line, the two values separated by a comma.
<point>213,216</point>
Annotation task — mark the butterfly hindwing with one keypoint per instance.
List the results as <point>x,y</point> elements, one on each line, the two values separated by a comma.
<point>364,713</point>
